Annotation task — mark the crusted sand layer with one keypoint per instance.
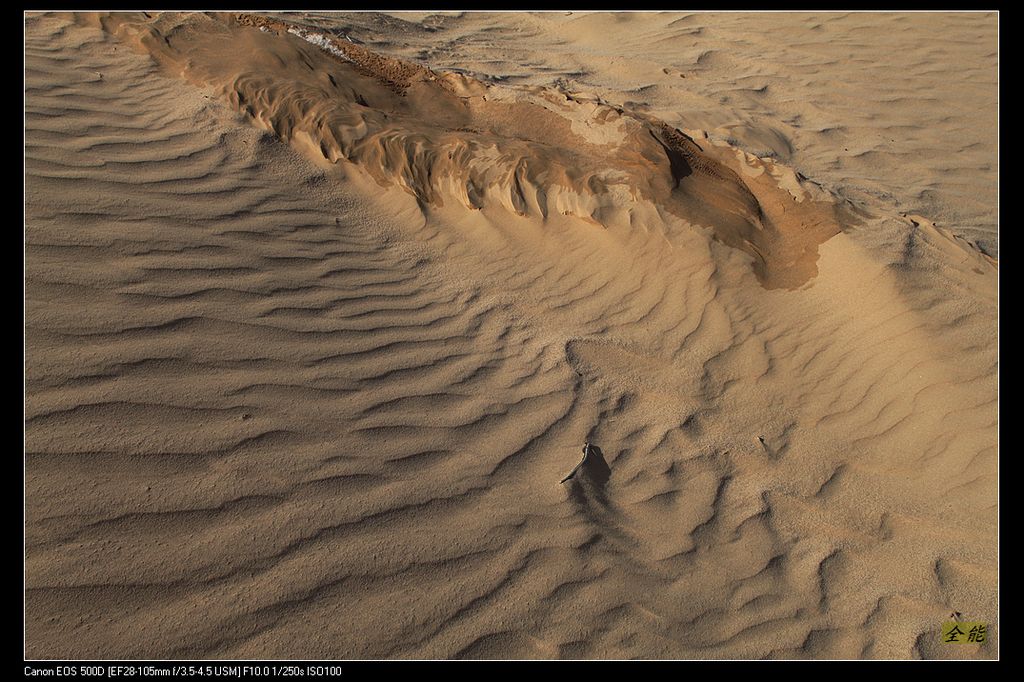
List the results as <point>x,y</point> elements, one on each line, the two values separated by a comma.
<point>313,332</point>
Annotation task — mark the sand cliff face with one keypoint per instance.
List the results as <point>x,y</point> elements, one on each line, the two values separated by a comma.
<point>316,398</point>
<point>451,137</point>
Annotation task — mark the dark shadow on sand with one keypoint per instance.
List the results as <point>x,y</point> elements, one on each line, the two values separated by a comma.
<point>588,485</point>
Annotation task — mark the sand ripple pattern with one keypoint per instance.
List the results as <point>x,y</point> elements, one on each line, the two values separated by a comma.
<point>269,414</point>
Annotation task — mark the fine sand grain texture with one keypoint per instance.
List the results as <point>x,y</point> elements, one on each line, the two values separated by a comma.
<point>320,308</point>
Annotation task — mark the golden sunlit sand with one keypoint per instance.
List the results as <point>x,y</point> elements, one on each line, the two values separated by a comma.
<point>321,308</point>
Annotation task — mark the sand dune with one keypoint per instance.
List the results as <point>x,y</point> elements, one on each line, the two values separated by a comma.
<point>893,109</point>
<point>445,135</point>
<point>315,327</point>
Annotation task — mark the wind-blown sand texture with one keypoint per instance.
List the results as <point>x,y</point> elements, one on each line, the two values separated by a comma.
<point>320,308</point>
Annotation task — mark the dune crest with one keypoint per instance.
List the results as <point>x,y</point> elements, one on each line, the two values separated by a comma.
<point>447,136</point>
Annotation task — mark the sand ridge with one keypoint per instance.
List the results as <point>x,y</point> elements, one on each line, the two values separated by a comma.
<point>856,100</point>
<point>451,136</point>
<point>275,407</point>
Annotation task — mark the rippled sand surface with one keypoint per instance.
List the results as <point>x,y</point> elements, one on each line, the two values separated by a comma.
<point>320,308</point>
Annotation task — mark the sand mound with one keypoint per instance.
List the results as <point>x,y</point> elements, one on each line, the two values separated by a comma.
<point>448,136</point>
<point>315,399</point>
